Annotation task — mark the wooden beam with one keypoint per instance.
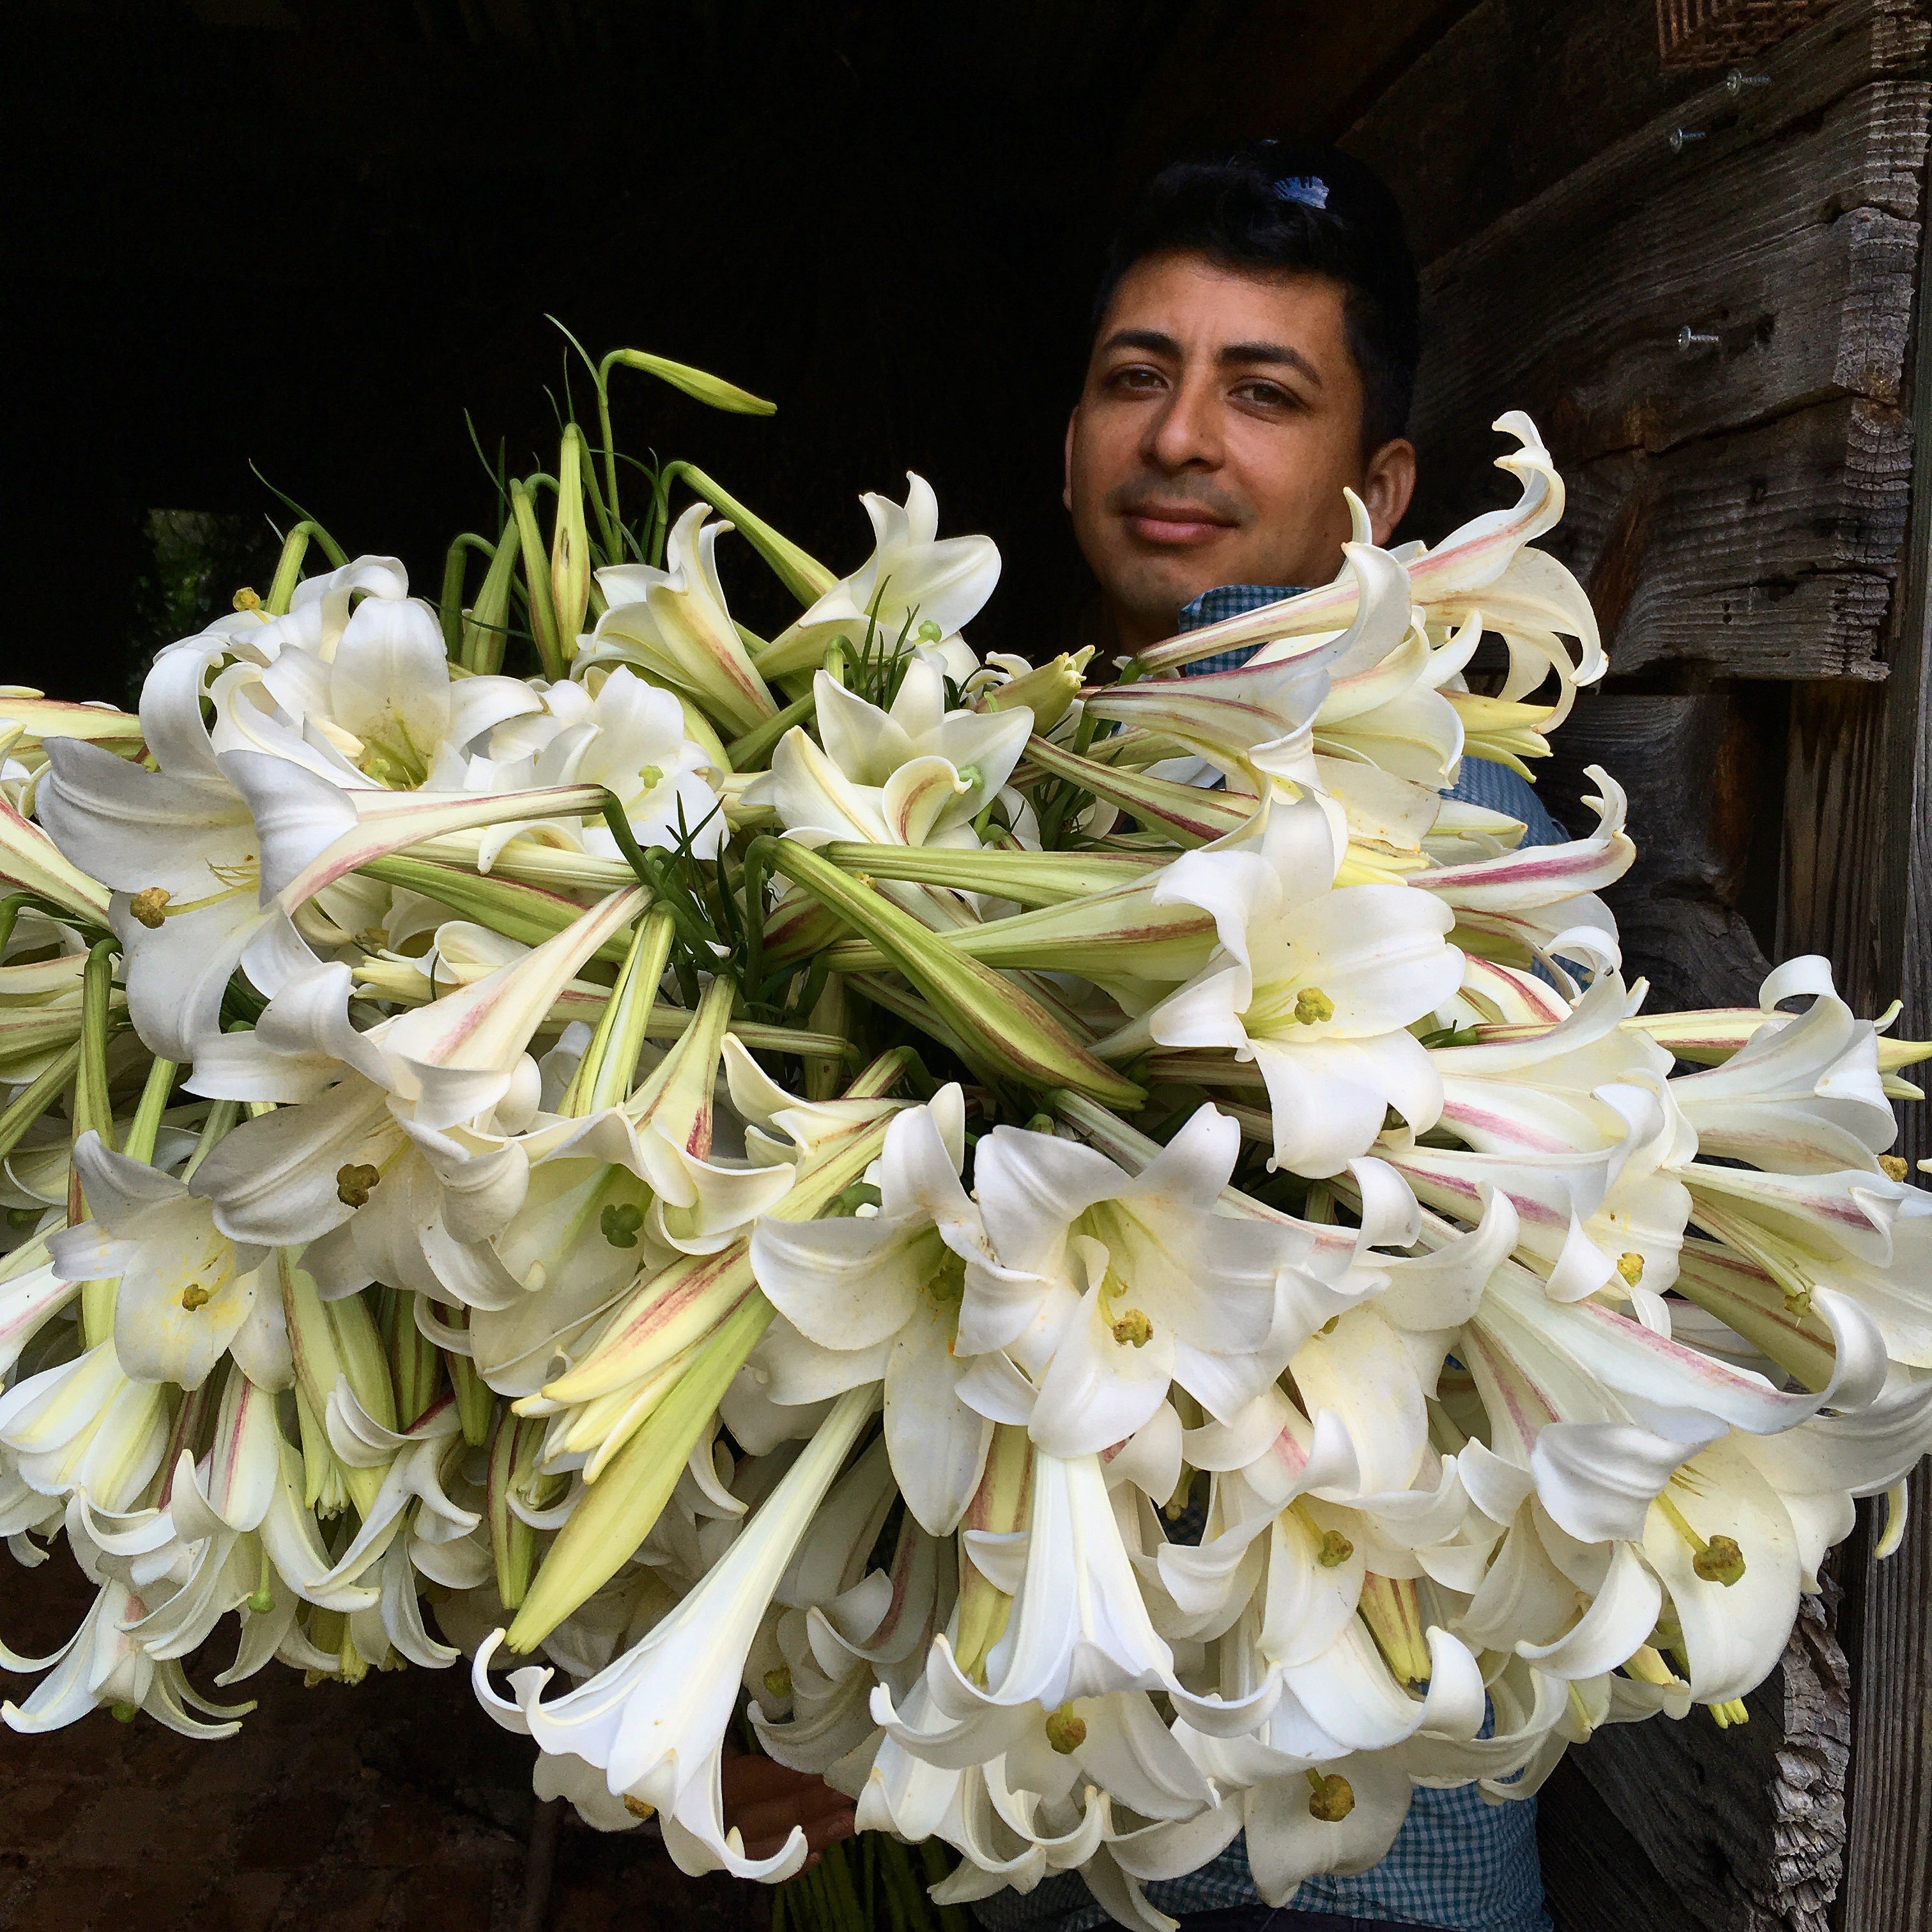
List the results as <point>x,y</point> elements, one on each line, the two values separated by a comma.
<point>1888,1868</point>
<point>1740,506</point>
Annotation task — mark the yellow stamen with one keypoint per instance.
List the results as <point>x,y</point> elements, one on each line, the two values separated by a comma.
<point>150,907</point>
<point>779,1681</point>
<point>1892,1167</point>
<point>353,1182</point>
<point>1629,1265</point>
<point>1335,1551</point>
<point>246,599</point>
<point>1330,1799</point>
<point>1066,1732</point>
<point>1731,1712</point>
<point>195,1296</point>
<point>638,1808</point>
<point>1719,1561</point>
<point>1133,1330</point>
<point>1313,1005</point>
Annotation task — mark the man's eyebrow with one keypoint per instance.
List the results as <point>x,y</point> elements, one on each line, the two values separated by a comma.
<point>1239,352</point>
<point>1149,339</point>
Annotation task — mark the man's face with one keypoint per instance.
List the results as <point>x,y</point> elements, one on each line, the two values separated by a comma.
<point>1220,420</point>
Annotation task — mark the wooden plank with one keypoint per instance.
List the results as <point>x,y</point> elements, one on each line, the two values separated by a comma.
<point>1767,553</point>
<point>1798,252</point>
<point>1703,774</point>
<point>1518,94</point>
<point>1834,830</point>
<point>1596,1875</point>
<point>1887,832</point>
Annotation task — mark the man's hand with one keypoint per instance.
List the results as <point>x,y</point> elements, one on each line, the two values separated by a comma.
<point>765,1799</point>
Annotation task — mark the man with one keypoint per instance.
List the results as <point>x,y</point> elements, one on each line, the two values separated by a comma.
<point>1255,351</point>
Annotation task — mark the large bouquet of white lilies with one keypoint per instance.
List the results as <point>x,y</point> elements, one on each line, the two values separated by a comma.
<point>1100,1260</point>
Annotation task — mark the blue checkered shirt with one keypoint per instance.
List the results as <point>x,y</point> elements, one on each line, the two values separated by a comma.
<point>1457,1863</point>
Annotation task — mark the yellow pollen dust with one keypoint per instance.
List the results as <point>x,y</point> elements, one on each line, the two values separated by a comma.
<point>150,907</point>
<point>1330,1799</point>
<point>1313,1005</point>
<point>1629,1265</point>
<point>1066,1732</point>
<point>195,1296</point>
<point>1892,1166</point>
<point>1133,1330</point>
<point>1335,1551</point>
<point>354,1182</point>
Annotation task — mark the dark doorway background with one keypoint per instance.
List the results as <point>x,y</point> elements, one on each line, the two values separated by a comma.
<point>307,235</point>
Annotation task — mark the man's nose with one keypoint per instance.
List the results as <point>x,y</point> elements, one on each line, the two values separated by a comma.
<point>1185,434</point>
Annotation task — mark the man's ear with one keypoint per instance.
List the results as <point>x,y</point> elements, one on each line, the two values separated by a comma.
<point>1067,459</point>
<point>1387,485</point>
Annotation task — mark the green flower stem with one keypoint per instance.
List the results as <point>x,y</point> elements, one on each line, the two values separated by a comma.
<point>288,569</point>
<point>451,605</point>
<point>28,1107</point>
<point>147,1122</point>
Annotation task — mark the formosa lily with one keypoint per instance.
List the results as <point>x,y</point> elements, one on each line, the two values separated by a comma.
<point>1317,984</point>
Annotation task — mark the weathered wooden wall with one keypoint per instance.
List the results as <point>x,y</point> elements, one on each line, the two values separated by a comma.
<point>1743,514</point>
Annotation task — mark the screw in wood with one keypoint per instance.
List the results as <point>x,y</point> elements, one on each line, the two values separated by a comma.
<point>1681,137</point>
<point>1688,337</point>
<point>1737,81</point>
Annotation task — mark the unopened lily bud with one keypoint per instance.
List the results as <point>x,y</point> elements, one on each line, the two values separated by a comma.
<point>1335,1551</point>
<point>698,382</point>
<point>1133,1330</point>
<point>1630,1267</point>
<point>1720,1560</point>
<point>355,1182</point>
<point>1313,1005</point>
<point>1330,1799</point>
<point>1046,690</point>
<point>1065,1731</point>
<point>570,544</point>
<point>150,907</point>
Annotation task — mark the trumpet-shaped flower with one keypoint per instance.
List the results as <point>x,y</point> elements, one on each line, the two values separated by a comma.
<point>654,1722</point>
<point>1316,985</point>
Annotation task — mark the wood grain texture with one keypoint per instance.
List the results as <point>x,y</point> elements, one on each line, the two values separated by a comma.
<point>1702,774</point>
<point>1770,553</point>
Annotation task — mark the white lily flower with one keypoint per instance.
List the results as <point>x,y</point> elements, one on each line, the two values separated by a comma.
<point>1110,1285</point>
<point>382,1121</point>
<point>880,1299</point>
<point>186,1289</point>
<point>913,577</point>
<point>915,775</point>
<point>614,730</point>
<point>1317,984</point>
<point>654,1723</point>
<point>673,624</point>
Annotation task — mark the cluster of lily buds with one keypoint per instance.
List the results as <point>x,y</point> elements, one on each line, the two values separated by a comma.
<point>1099,1259</point>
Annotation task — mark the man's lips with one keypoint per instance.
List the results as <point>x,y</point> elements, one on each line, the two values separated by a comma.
<point>1174,524</point>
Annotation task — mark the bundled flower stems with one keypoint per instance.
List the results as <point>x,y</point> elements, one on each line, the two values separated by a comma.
<point>1095,1261</point>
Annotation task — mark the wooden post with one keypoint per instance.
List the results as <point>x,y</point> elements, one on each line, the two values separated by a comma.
<point>1887,1621</point>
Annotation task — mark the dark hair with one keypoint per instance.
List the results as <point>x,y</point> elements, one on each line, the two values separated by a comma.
<point>1309,210</point>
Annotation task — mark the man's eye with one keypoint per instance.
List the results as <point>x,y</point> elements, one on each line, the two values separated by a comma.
<point>1268,395</point>
<point>1136,376</point>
